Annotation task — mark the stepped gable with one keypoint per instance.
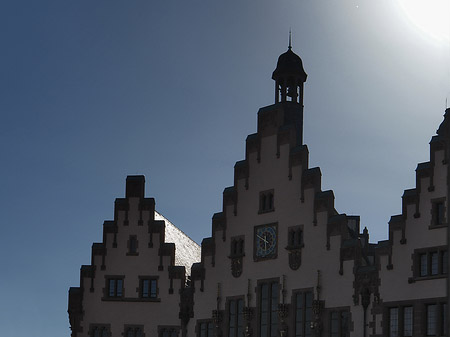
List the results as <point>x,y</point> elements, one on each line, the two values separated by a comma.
<point>284,120</point>
<point>425,183</point>
<point>168,241</point>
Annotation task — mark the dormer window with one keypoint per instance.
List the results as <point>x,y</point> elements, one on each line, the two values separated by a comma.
<point>266,201</point>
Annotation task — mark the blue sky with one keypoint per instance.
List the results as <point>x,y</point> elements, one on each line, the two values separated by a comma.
<point>92,91</point>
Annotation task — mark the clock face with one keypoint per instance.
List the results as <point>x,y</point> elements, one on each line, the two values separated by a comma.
<point>266,241</point>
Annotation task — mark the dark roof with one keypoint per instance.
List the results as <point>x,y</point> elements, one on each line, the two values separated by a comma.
<point>289,63</point>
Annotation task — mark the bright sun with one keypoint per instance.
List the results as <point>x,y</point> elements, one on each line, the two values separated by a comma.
<point>431,16</point>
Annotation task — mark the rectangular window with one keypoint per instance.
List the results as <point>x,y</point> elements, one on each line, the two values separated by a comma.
<point>408,320</point>
<point>168,332</point>
<point>434,263</point>
<point>99,331</point>
<point>133,332</point>
<point>339,323</point>
<point>444,319</point>
<point>115,287</point>
<point>431,320</point>
<point>268,309</point>
<point>401,321</point>
<point>431,262</point>
<point>334,324</point>
<point>439,210</point>
<point>132,245</point>
<point>266,201</point>
<point>393,322</point>
<point>236,319</point>
<point>206,329</point>
<point>149,288</point>
<point>303,314</point>
<point>345,322</point>
<point>444,259</point>
<point>295,237</point>
<point>423,264</point>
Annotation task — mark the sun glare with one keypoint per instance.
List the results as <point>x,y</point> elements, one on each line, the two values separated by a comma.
<point>430,16</point>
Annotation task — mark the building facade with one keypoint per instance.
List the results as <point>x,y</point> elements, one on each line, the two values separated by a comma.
<point>281,261</point>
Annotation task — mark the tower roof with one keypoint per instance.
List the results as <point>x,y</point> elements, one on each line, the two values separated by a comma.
<point>289,64</point>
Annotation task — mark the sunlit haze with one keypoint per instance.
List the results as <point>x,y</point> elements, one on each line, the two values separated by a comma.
<point>430,16</point>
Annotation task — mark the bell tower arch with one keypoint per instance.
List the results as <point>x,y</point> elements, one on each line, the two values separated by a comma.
<point>289,77</point>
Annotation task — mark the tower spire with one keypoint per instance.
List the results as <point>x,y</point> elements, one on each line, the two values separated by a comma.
<point>290,45</point>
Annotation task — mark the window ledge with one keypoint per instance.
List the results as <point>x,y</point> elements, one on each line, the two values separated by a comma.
<point>444,225</point>
<point>426,278</point>
<point>234,256</point>
<point>130,299</point>
<point>266,211</point>
<point>294,247</point>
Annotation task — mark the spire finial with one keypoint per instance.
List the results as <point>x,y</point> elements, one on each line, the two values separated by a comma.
<point>290,33</point>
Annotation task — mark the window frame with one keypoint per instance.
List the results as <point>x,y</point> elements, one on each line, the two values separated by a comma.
<point>130,251</point>
<point>272,315</point>
<point>172,330</point>
<point>103,328</point>
<point>306,330</point>
<point>266,201</point>
<point>135,329</point>
<point>150,279</point>
<point>116,279</point>
<point>438,210</point>
<point>239,317</point>
<point>430,263</point>
<point>209,327</point>
<point>340,312</point>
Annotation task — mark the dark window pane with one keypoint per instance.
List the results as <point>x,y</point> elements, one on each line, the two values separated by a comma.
<point>203,330</point>
<point>133,244</point>
<point>434,263</point>
<point>299,316</point>
<point>334,324</point>
<point>119,288</point>
<point>444,318</point>
<point>431,320</point>
<point>444,262</point>
<point>112,288</point>
<point>345,331</point>
<point>274,310</point>
<point>232,320</point>
<point>153,288</point>
<point>308,313</point>
<point>407,321</point>
<point>96,332</point>
<point>439,213</point>
<point>145,288</point>
<point>423,265</point>
<point>210,330</point>
<point>240,318</point>
<point>393,322</point>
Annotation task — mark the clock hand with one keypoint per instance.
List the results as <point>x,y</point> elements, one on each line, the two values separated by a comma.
<point>262,238</point>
